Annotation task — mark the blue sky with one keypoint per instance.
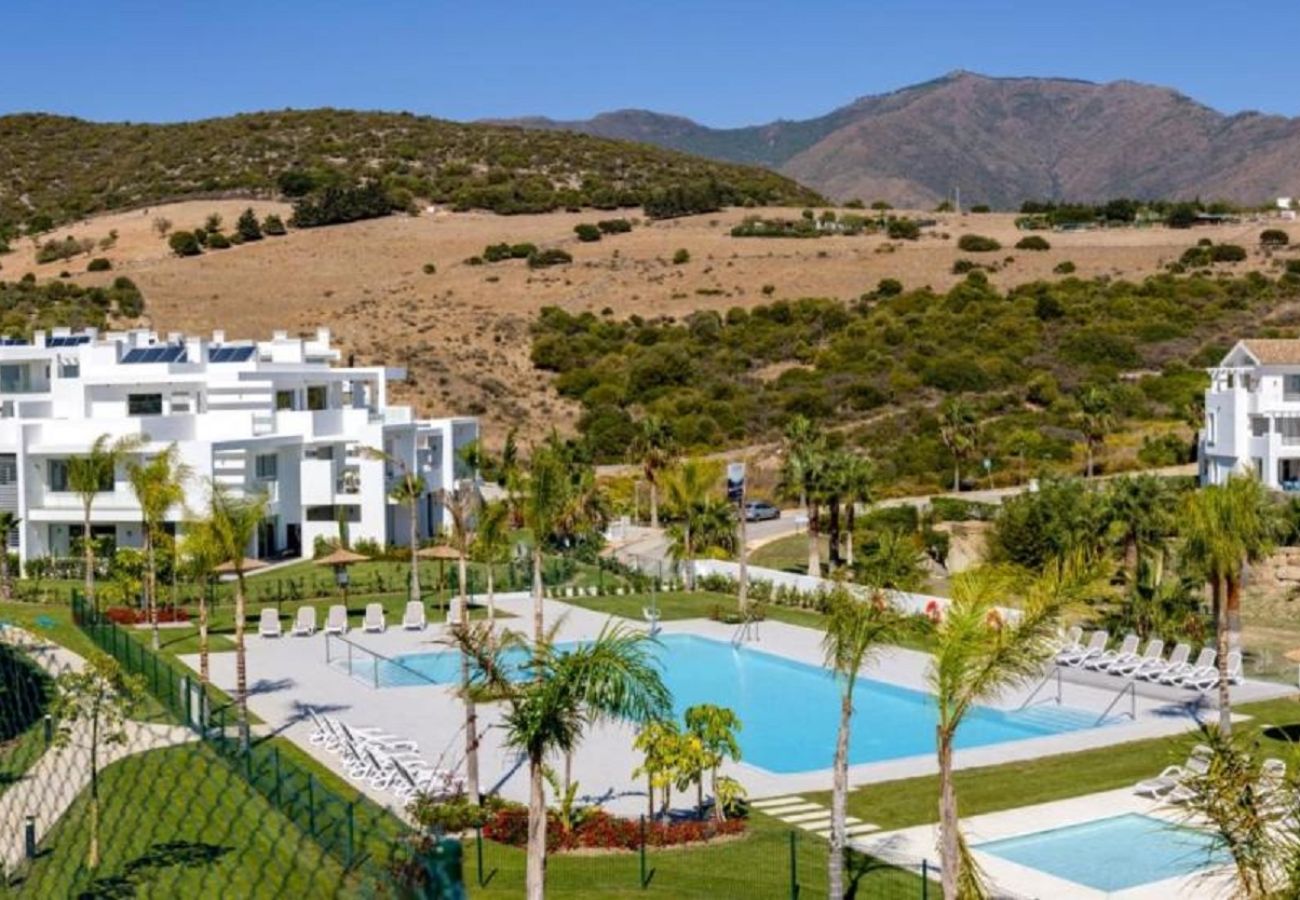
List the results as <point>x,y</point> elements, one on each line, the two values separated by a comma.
<point>722,62</point>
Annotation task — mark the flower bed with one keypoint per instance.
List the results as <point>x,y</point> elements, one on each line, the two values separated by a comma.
<point>602,831</point>
<point>129,615</point>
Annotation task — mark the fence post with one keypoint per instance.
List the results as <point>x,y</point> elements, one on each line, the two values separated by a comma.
<point>49,729</point>
<point>642,851</point>
<point>478,844</point>
<point>925,879</point>
<point>351,822</point>
<point>311,804</point>
<point>794,868</point>
<point>275,751</point>
<point>29,837</point>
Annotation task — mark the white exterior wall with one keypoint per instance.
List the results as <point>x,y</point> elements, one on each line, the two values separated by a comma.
<point>1252,422</point>
<point>222,416</point>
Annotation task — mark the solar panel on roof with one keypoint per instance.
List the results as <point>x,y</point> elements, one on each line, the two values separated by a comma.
<point>231,354</point>
<point>169,354</point>
<point>134,356</point>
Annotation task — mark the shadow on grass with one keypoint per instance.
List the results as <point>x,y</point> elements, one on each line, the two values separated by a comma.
<point>173,854</point>
<point>1288,733</point>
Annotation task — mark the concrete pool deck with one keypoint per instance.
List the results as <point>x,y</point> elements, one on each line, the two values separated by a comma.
<point>289,674</point>
<point>1014,880</point>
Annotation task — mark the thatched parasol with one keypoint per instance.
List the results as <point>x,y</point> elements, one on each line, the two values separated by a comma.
<point>341,557</point>
<point>248,565</point>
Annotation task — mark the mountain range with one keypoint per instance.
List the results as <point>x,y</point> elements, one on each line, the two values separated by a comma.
<point>999,141</point>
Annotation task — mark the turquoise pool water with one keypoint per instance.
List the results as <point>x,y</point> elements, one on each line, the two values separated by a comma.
<point>789,710</point>
<point>1112,854</point>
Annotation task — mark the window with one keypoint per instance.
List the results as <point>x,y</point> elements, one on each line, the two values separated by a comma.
<point>1292,384</point>
<point>8,469</point>
<point>14,379</point>
<point>266,466</point>
<point>349,512</point>
<point>317,397</point>
<point>58,474</point>
<point>324,451</point>
<point>1258,426</point>
<point>1211,427</point>
<point>144,404</point>
<point>283,400</point>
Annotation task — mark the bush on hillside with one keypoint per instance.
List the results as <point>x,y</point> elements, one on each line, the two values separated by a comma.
<point>1229,253</point>
<point>1033,242</point>
<point>218,241</point>
<point>545,258</point>
<point>681,256</point>
<point>1065,267</point>
<point>977,243</point>
<point>903,230</point>
<point>247,227</point>
<point>1274,237</point>
<point>586,232</point>
<point>99,264</point>
<point>273,225</point>
<point>184,243</point>
<point>614,226</point>
<point>337,204</point>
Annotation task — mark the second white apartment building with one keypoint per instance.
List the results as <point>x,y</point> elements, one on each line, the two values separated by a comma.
<point>1252,415</point>
<point>276,416</point>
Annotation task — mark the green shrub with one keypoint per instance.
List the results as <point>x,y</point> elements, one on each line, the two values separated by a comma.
<point>184,243</point>
<point>681,257</point>
<point>951,509</point>
<point>99,264</point>
<point>429,268</point>
<point>68,247</point>
<point>962,266</point>
<point>889,287</point>
<point>1229,253</point>
<point>1274,237</point>
<point>977,243</point>
<point>1033,242</point>
<point>903,230</point>
<point>273,225</point>
<point>980,208</point>
<point>496,252</point>
<point>247,227</point>
<point>545,258</point>
<point>218,241</point>
<point>1065,267</point>
<point>881,205</point>
<point>586,232</point>
<point>337,204</point>
<point>522,251</point>
<point>614,226</point>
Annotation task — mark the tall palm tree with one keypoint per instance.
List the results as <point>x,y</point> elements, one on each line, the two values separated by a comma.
<point>492,545</point>
<point>159,487</point>
<point>801,440</point>
<point>1096,419</point>
<point>612,677</point>
<point>859,481</point>
<point>854,631</point>
<point>91,475</point>
<point>958,430</point>
<point>541,496</point>
<point>9,522</point>
<point>980,653</point>
<point>201,549</point>
<point>687,492</point>
<point>655,450</point>
<point>233,523</point>
<point>1141,507</point>
<point>460,504</point>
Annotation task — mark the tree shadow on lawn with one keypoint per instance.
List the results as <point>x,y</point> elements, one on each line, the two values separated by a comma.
<point>173,854</point>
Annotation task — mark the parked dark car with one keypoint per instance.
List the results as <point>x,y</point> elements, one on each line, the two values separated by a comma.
<point>759,511</point>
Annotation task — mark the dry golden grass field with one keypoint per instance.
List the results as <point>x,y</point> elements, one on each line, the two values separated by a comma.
<point>463,331</point>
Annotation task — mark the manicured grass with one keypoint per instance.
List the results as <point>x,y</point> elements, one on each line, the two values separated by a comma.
<point>789,553</point>
<point>915,801</point>
<point>49,620</point>
<point>179,823</point>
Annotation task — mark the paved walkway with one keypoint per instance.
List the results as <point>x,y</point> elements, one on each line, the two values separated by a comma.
<point>808,816</point>
<point>48,789</point>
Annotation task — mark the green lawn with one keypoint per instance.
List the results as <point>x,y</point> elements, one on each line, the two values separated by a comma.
<point>914,801</point>
<point>789,553</point>
<point>50,620</point>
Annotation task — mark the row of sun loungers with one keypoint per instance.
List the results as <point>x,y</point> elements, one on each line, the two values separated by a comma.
<point>1149,664</point>
<point>385,761</point>
<point>336,622</point>
<point>1172,784</point>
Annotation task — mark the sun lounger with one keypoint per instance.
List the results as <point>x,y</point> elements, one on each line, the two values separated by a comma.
<point>1126,652</point>
<point>1153,653</point>
<point>1204,663</point>
<point>304,624</point>
<point>414,618</point>
<point>1198,763</point>
<point>361,737</point>
<point>268,626</point>
<point>1095,647</point>
<point>336,621</point>
<point>374,620</point>
<point>1176,659</point>
<point>1208,679</point>
<point>1070,639</point>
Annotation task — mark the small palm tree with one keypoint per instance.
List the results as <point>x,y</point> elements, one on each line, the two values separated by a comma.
<point>491,545</point>
<point>9,523</point>
<point>859,482</point>
<point>958,430</point>
<point>854,631</point>
<point>715,728</point>
<point>232,524</point>
<point>688,489</point>
<point>980,653</point>
<point>159,486</point>
<point>90,475</point>
<point>612,677</point>
<point>460,504</point>
<point>201,549</point>
<point>655,451</point>
<point>1096,419</point>
<point>803,477</point>
<point>1142,508</point>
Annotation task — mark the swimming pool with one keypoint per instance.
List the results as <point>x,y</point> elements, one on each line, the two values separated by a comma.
<point>790,711</point>
<point>1112,854</point>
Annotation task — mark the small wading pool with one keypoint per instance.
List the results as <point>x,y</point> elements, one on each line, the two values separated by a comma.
<point>1112,854</point>
<point>789,710</point>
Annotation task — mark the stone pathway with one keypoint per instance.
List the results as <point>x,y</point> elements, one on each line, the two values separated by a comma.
<point>48,789</point>
<point>808,816</point>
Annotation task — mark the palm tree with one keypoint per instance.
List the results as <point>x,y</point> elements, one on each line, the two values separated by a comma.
<point>159,487</point>
<point>202,551</point>
<point>460,504</point>
<point>802,439</point>
<point>9,522</point>
<point>1141,507</point>
<point>687,492</point>
<point>859,479</point>
<point>854,631</point>
<point>232,524</point>
<point>714,727</point>
<point>655,451</point>
<point>91,475</point>
<point>958,429</point>
<point>492,545</point>
<point>1096,419</point>
<point>613,677</point>
<point>408,489</point>
<point>893,561</point>
<point>980,653</point>
<point>541,497</point>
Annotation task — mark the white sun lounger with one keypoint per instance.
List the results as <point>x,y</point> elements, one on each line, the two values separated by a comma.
<point>373,737</point>
<point>268,625</point>
<point>1208,679</point>
<point>1177,658</point>
<point>336,621</point>
<point>1204,662</point>
<point>414,618</point>
<point>374,620</point>
<point>1154,652</point>
<point>1126,653</point>
<point>1070,639</point>
<point>304,624</point>
<point>1198,763</point>
<point>1095,647</point>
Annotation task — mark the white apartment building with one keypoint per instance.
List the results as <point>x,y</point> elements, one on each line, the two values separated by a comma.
<point>1252,415</point>
<point>277,417</point>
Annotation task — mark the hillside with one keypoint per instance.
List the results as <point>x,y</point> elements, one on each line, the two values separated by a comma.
<point>1002,141</point>
<point>61,169</point>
